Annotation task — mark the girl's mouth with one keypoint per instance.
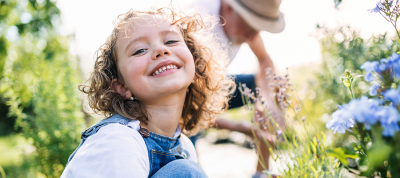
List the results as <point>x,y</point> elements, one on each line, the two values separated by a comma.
<point>164,69</point>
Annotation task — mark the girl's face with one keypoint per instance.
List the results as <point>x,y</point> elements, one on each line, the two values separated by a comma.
<point>154,61</point>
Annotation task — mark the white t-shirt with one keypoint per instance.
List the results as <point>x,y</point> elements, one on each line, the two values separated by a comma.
<point>117,151</point>
<point>212,8</point>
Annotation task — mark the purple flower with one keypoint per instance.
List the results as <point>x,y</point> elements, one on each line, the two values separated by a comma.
<point>279,132</point>
<point>393,96</point>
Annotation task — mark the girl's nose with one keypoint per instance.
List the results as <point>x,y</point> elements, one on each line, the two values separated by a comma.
<point>160,51</point>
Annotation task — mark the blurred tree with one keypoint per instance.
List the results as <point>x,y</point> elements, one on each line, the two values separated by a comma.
<point>38,86</point>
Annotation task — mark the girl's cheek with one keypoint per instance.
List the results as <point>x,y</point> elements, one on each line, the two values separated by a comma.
<point>139,66</point>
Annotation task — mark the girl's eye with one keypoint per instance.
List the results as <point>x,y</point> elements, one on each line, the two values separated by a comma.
<point>170,42</point>
<point>139,51</point>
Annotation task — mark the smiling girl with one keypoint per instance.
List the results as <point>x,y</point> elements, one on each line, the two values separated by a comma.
<point>156,76</point>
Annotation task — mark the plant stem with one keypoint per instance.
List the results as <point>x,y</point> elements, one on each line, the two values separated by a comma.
<point>384,16</point>
<point>394,25</point>
<point>3,173</point>
<point>351,91</point>
<point>305,109</point>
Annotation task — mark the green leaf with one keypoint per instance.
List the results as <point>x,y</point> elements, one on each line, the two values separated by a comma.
<point>355,146</point>
<point>347,83</point>
<point>378,153</point>
<point>342,153</point>
<point>397,43</point>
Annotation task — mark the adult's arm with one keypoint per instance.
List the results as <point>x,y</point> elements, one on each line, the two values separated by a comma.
<point>257,46</point>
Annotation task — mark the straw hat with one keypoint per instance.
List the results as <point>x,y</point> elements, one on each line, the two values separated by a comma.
<point>260,14</point>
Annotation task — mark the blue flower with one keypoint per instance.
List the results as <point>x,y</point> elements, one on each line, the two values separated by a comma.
<point>384,65</point>
<point>391,2</point>
<point>393,96</point>
<point>369,77</point>
<point>364,111</point>
<point>395,60</point>
<point>370,67</point>
<point>389,118</point>
<point>377,8</point>
<point>373,89</point>
<point>342,120</point>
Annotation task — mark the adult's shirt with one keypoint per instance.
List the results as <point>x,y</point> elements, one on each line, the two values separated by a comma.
<point>212,8</point>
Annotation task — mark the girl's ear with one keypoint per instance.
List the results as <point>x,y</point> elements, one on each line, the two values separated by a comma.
<point>120,88</point>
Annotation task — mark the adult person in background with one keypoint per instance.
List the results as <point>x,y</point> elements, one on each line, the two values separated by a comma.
<point>243,20</point>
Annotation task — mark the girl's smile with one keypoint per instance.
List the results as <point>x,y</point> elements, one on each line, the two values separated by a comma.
<point>165,68</point>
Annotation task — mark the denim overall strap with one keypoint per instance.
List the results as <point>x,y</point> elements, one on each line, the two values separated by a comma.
<point>162,150</point>
<point>93,129</point>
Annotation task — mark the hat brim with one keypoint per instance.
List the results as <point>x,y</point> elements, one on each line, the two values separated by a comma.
<point>257,22</point>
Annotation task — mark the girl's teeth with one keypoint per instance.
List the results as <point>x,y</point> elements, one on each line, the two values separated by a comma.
<point>165,68</point>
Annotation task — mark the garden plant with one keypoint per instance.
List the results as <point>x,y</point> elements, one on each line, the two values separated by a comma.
<point>373,119</point>
<point>40,109</point>
<point>371,145</point>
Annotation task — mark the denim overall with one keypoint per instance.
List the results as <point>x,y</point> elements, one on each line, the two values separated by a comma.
<point>161,150</point>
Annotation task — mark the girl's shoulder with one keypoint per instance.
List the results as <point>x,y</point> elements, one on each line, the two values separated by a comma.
<point>116,150</point>
<point>189,147</point>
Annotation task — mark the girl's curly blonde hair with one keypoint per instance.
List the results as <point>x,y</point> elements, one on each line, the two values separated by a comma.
<point>207,96</point>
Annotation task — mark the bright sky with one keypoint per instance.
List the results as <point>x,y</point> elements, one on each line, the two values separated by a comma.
<point>91,21</point>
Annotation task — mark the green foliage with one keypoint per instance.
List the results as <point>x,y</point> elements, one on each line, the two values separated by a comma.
<point>38,84</point>
<point>342,154</point>
<point>300,150</point>
<point>343,48</point>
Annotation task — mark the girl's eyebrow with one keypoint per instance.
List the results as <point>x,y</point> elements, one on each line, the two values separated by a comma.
<point>168,31</point>
<point>141,38</point>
